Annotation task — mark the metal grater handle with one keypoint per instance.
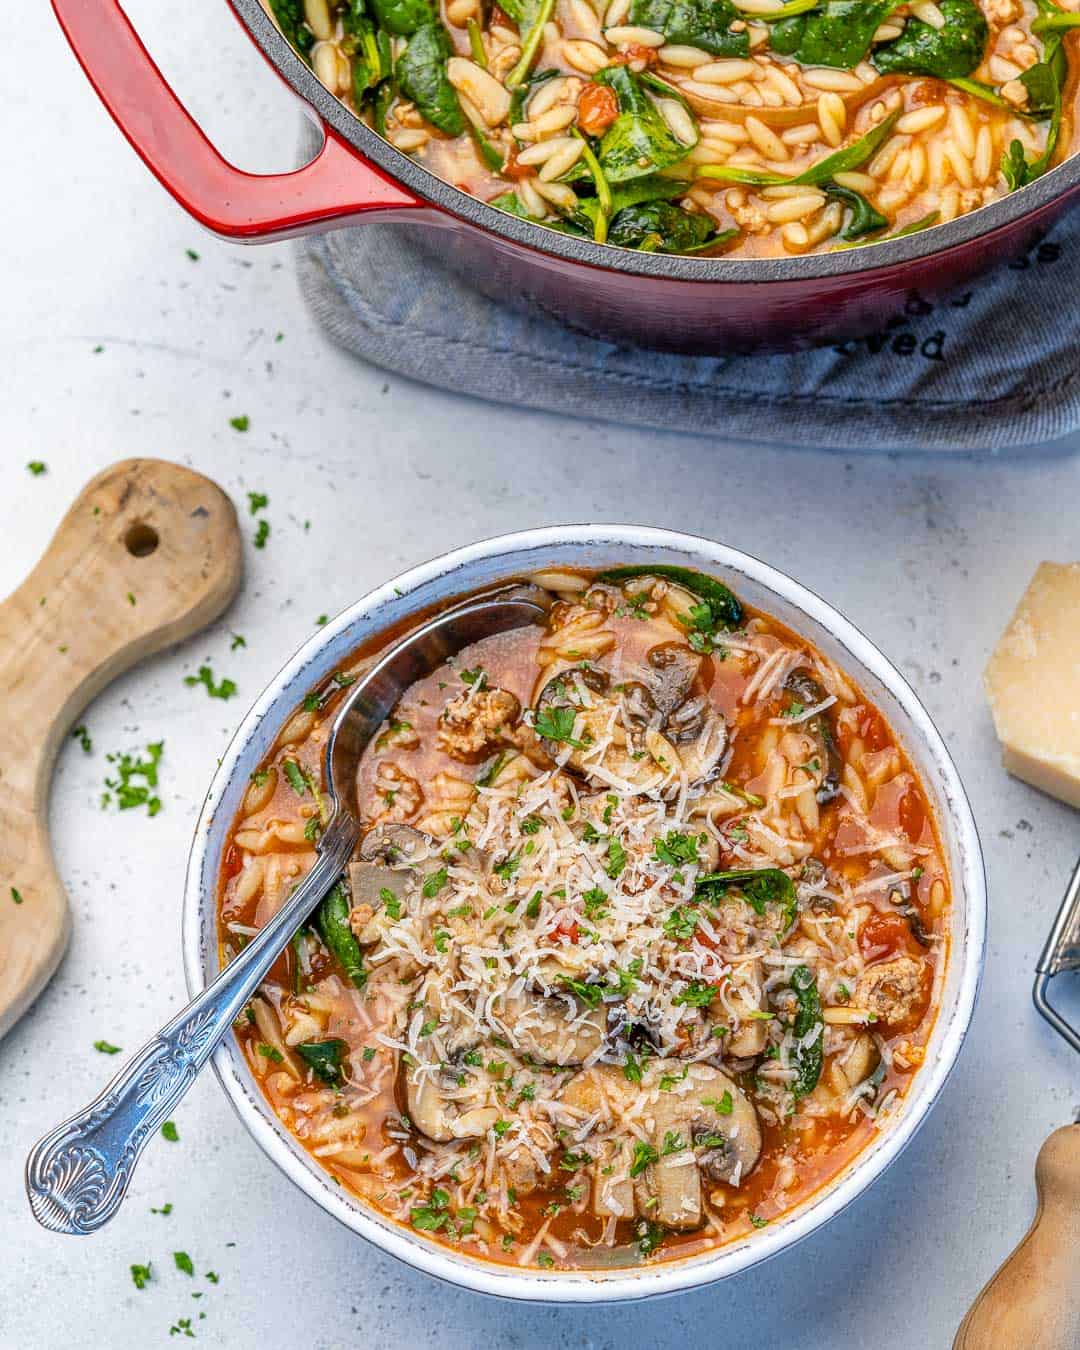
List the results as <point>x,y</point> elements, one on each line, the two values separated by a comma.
<point>1062,952</point>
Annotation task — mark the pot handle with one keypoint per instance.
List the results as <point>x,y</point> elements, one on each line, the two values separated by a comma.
<point>336,185</point>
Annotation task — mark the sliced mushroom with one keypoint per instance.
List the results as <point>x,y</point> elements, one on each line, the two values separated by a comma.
<point>674,668</point>
<point>592,711</point>
<point>612,1189</point>
<point>545,1028</point>
<point>692,1112</point>
<point>802,685</point>
<point>861,1060</point>
<point>751,1033</point>
<point>438,1107</point>
<point>397,846</point>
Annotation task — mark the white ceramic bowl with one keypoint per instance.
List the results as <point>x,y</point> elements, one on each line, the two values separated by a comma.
<point>596,546</point>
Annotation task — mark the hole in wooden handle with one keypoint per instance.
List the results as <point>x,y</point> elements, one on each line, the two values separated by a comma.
<point>141,539</point>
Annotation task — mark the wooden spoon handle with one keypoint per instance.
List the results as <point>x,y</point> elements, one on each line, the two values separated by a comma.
<point>1033,1301</point>
<point>148,554</point>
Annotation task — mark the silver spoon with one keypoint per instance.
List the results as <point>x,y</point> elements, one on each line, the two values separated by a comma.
<point>78,1173</point>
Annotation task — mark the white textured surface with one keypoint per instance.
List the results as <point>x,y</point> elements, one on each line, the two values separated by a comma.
<point>927,557</point>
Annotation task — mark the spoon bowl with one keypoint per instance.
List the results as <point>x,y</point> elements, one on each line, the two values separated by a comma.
<point>78,1173</point>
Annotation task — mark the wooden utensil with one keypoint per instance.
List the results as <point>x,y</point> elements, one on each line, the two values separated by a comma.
<point>1033,1302</point>
<point>148,554</point>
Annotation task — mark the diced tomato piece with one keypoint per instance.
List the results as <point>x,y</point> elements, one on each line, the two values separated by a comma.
<point>884,935</point>
<point>597,109</point>
<point>567,928</point>
<point>912,813</point>
<point>636,52</point>
<point>512,169</point>
<point>872,729</point>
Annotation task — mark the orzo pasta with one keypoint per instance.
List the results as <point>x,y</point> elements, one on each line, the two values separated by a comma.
<point>642,943</point>
<point>747,127</point>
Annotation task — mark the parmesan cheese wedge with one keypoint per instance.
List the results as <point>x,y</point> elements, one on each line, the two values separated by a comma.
<point>1033,684</point>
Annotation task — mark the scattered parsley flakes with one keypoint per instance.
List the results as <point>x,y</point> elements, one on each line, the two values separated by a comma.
<point>37,467</point>
<point>141,1275</point>
<point>16,895</point>
<point>241,423</point>
<point>257,501</point>
<point>190,253</point>
<point>758,1221</point>
<point>237,641</point>
<point>262,534</point>
<point>322,621</point>
<point>223,689</point>
<point>184,1263</point>
<point>81,735</point>
<point>545,1259</point>
<point>723,1106</point>
<point>104,1048</point>
<point>182,1327</point>
<point>124,790</point>
<point>165,1209</point>
<point>169,1131</point>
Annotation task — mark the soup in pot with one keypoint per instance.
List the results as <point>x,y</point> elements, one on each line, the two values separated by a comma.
<point>752,128</point>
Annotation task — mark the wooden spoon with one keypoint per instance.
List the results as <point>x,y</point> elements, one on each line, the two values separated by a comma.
<point>148,554</point>
<point>1033,1302</point>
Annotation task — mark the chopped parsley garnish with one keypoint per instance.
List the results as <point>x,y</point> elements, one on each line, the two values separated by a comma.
<point>125,791</point>
<point>557,724</point>
<point>477,676</point>
<point>545,1259</point>
<point>632,1068</point>
<point>81,735</point>
<point>184,1263</point>
<point>473,1058</point>
<point>673,1143</point>
<point>500,1127</point>
<point>36,467</point>
<point>312,702</point>
<point>257,501</point>
<point>237,641</point>
<point>16,895</point>
<point>169,1131</point>
<point>644,1154</point>
<point>431,1217</point>
<point>165,1209</point>
<point>723,1106</point>
<point>650,1236</point>
<point>588,993</point>
<point>241,423</point>
<point>141,1275</point>
<point>262,534</point>
<point>574,1162</point>
<point>223,689</point>
<point>531,825</point>
<point>677,849</point>
<point>433,883</point>
<point>441,938</point>
<point>391,903</point>
<point>681,924</point>
<point>595,902</point>
<point>697,994</point>
<point>758,1221</point>
<point>105,1048</point>
<point>616,858</point>
<point>668,1080</point>
<point>270,1052</point>
<point>506,869</point>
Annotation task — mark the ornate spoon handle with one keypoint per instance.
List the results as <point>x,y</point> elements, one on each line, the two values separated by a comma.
<point>78,1173</point>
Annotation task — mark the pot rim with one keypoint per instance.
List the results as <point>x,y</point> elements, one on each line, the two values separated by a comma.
<point>405,594</point>
<point>938,241</point>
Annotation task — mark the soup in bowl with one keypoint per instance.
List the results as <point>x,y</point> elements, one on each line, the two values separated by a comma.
<point>662,934</point>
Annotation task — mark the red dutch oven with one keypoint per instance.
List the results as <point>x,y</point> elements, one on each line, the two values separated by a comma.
<point>705,305</point>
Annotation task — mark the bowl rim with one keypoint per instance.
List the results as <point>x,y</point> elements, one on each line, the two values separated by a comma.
<point>1033,200</point>
<point>562,1287</point>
